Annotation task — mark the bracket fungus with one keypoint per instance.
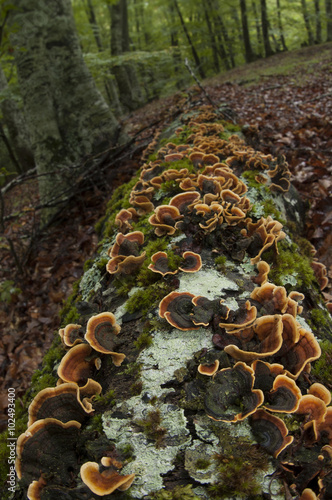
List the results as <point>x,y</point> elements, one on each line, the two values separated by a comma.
<point>62,402</point>
<point>47,446</point>
<point>125,255</point>
<point>101,333</point>
<point>105,482</point>
<point>230,395</point>
<point>177,308</point>
<point>270,431</point>
<point>77,365</point>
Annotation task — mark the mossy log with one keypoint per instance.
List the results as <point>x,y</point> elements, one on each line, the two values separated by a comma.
<point>216,306</point>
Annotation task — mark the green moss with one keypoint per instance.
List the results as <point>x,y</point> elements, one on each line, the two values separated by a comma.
<point>136,388</point>
<point>202,464</point>
<point>69,313</point>
<point>290,268</point>
<point>319,318</point>
<point>96,423</point>
<point>108,399</point>
<point>249,176</point>
<point>143,341</point>
<point>152,428</point>
<point>178,493</point>
<point>87,265</point>
<point>133,369</point>
<point>322,367</point>
<point>238,465</point>
<point>230,127</point>
<point>270,209</point>
<point>180,138</point>
<point>148,299</point>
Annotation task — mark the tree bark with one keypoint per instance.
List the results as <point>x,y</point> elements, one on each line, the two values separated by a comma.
<point>249,54</point>
<point>265,29</point>
<point>17,129</point>
<point>66,115</point>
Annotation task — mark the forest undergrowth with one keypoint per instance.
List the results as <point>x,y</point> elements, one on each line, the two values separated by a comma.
<point>283,103</point>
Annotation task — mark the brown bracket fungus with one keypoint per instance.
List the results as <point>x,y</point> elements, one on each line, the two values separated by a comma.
<point>164,219</point>
<point>71,335</point>
<point>160,264</point>
<point>47,446</point>
<point>266,340</point>
<point>62,402</point>
<point>177,309</point>
<point>192,262</point>
<point>77,365</point>
<point>230,395</point>
<point>101,332</point>
<point>105,482</point>
<point>284,396</point>
<point>209,370</point>
<point>270,432</point>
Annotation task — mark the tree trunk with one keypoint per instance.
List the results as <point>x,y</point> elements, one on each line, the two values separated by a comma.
<point>109,83</point>
<point>258,28</point>
<point>222,37</point>
<point>17,130</point>
<point>307,22</point>
<point>129,89</point>
<point>249,55</point>
<point>328,10</point>
<point>193,50</point>
<point>280,26</point>
<point>318,22</point>
<point>211,342</point>
<point>66,115</point>
<point>265,29</point>
<point>212,38</point>
<point>176,50</point>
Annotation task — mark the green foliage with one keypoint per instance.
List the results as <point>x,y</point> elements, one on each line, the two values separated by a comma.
<point>148,299</point>
<point>8,290</point>
<point>220,262</point>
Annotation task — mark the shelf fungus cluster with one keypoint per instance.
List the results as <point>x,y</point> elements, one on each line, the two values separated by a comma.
<point>188,216</point>
<point>46,452</point>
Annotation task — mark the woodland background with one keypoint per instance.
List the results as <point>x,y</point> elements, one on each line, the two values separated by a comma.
<point>148,60</point>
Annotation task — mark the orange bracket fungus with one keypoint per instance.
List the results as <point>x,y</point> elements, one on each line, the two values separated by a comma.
<point>101,333</point>
<point>62,402</point>
<point>105,482</point>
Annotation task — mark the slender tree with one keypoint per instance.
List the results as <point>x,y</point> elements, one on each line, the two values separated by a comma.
<point>328,11</point>
<point>307,21</point>
<point>249,54</point>
<point>212,38</point>
<point>225,47</point>
<point>258,27</point>
<point>16,128</point>
<point>66,115</point>
<point>265,29</point>
<point>318,38</point>
<point>125,73</point>
<point>280,27</point>
<point>186,32</point>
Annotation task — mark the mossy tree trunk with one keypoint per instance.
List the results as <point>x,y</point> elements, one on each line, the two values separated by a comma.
<point>66,115</point>
<point>183,433</point>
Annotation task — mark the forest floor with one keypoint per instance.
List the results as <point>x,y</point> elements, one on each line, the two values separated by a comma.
<point>283,103</point>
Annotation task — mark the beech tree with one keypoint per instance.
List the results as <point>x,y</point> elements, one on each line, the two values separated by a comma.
<point>66,115</point>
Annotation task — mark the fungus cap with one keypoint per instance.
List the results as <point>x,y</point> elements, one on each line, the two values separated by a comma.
<point>101,332</point>
<point>104,483</point>
<point>270,432</point>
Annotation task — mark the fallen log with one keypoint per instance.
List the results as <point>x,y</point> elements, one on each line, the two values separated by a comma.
<point>194,362</point>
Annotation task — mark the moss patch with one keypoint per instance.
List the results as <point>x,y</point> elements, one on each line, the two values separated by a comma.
<point>322,367</point>
<point>152,428</point>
